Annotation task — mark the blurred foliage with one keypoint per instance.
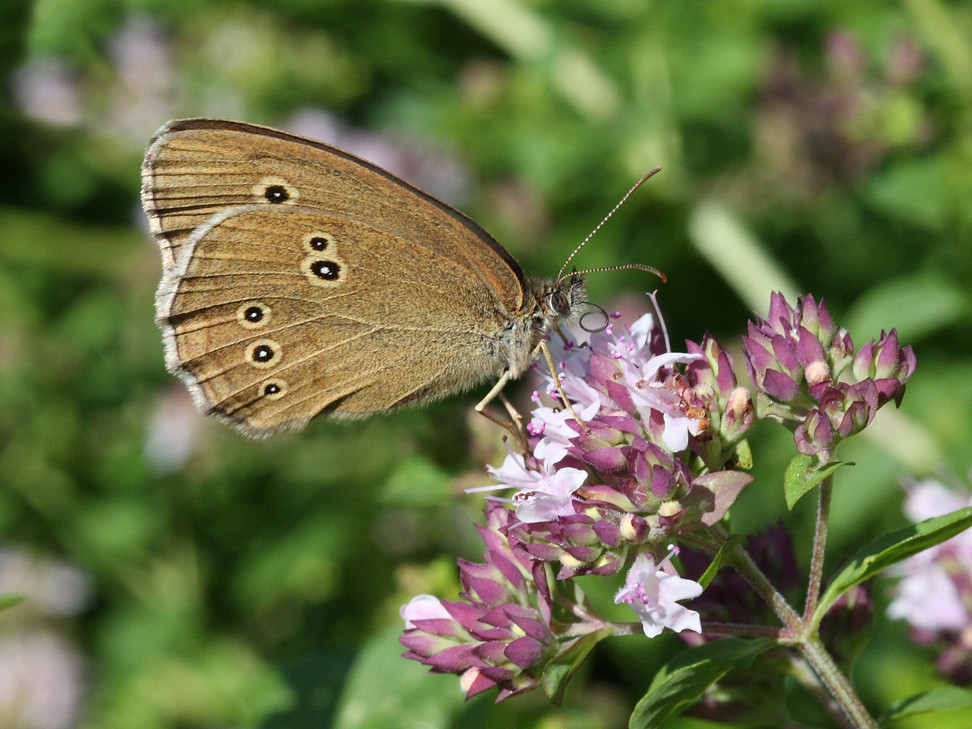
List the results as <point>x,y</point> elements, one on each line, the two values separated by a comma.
<point>808,146</point>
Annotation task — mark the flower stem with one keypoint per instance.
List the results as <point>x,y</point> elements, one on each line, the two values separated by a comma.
<point>819,548</point>
<point>802,672</point>
<point>750,572</point>
<point>836,682</point>
<point>847,706</point>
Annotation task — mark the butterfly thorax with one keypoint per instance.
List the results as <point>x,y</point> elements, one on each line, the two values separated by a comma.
<point>548,306</point>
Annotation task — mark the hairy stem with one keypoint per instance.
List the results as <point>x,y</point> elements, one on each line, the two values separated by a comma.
<point>802,672</point>
<point>747,568</point>
<point>836,682</point>
<point>819,548</point>
<point>846,706</point>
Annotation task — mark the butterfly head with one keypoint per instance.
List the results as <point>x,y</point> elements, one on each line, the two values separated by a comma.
<point>561,301</point>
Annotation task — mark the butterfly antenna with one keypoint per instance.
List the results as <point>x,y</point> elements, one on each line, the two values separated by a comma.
<point>623,267</point>
<point>600,225</point>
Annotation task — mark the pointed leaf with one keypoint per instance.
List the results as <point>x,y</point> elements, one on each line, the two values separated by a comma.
<point>559,671</point>
<point>945,698</point>
<point>802,475</point>
<point>682,681</point>
<point>722,558</point>
<point>891,549</point>
<point>721,488</point>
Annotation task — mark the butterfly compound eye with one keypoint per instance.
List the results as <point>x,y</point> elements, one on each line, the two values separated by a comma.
<point>558,302</point>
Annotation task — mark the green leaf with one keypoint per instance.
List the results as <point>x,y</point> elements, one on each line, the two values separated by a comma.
<point>891,549</point>
<point>559,671</point>
<point>683,680</point>
<point>945,698</point>
<point>802,475</point>
<point>713,493</point>
<point>721,559</point>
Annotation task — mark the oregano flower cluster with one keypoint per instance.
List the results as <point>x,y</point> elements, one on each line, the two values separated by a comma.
<point>648,460</point>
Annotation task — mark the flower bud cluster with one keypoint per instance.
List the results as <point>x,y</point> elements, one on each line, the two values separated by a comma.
<point>648,452</point>
<point>627,473</point>
<point>795,359</point>
<point>499,634</point>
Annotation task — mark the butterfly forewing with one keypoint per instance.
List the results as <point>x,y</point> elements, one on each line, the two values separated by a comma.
<point>197,168</point>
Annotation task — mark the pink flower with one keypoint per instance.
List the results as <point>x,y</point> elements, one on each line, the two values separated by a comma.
<point>551,498</point>
<point>936,587</point>
<point>653,593</point>
<point>540,496</point>
<point>555,431</point>
<point>928,599</point>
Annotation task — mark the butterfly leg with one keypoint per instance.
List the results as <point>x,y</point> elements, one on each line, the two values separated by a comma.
<point>515,423</point>
<point>515,416</point>
<point>560,388</point>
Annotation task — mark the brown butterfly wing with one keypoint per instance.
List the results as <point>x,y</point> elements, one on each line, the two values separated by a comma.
<point>298,279</point>
<point>276,314</point>
<point>197,168</point>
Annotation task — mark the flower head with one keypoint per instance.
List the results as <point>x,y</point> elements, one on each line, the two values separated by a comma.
<point>619,477</point>
<point>499,634</point>
<point>795,359</point>
<point>642,458</point>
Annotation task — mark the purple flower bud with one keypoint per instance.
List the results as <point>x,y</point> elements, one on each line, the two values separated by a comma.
<point>889,365</point>
<point>606,459</point>
<point>794,355</point>
<point>739,414</point>
<point>500,634</point>
<point>524,652</point>
<point>711,387</point>
<point>485,584</point>
<point>779,386</point>
<point>633,528</point>
<point>841,351</point>
<point>811,355</point>
<point>794,359</point>
<point>780,313</point>
<point>815,425</point>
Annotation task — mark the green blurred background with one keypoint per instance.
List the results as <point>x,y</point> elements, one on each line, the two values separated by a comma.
<point>178,575</point>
